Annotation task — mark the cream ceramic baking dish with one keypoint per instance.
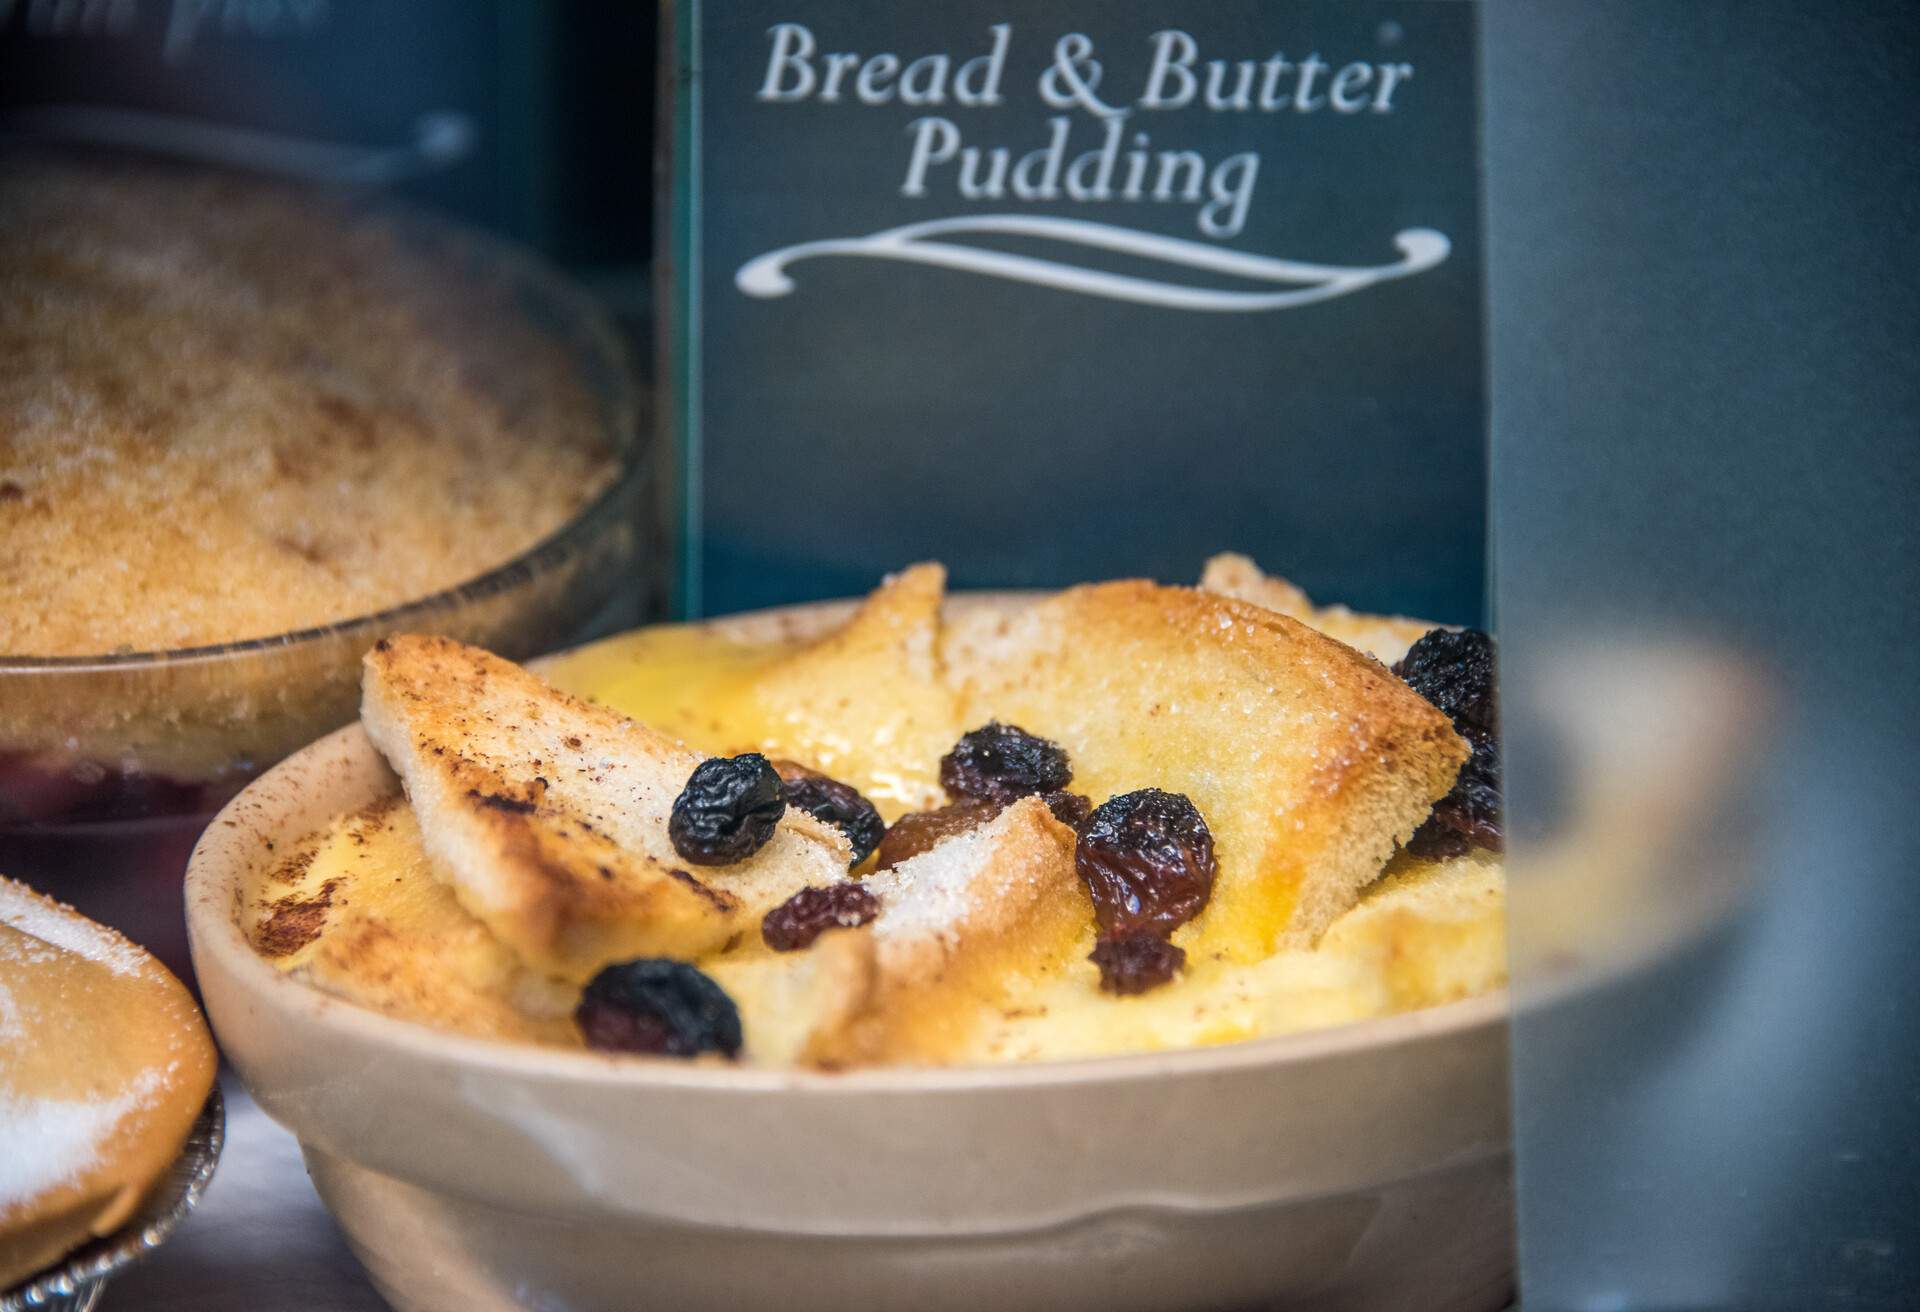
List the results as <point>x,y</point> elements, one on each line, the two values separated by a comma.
<point>1363,1166</point>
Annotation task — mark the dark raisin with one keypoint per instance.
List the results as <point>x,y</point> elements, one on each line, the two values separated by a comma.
<point>918,831</point>
<point>840,805</point>
<point>660,1006</point>
<point>1147,859</point>
<point>1436,840</point>
<point>1070,809</point>
<point>1137,963</point>
<point>728,810</point>
<point>811,912</point>
<point>1455,671</point>
<point>1471,813</point>
<point>1002,762</point>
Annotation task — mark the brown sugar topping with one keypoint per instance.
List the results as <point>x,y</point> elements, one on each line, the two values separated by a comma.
<point>230,409</point>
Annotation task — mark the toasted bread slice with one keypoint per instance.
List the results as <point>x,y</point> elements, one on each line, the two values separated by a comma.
<point>1384,637</point>
<point>357,910</point>
<point>869,703</point>
<point>794,1006</point>
<point>1308,760</point>
<point>547,815</point>
<point>962,928</point>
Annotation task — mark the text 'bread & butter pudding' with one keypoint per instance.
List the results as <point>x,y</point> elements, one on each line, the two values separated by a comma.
<point>935,830</point>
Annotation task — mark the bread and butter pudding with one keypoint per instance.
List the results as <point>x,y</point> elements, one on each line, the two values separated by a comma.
<point>1124,817</point>
<point>245,429</point>
<point>104,1064</point>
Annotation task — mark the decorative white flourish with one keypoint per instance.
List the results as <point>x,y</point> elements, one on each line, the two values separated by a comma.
<point>1420,249</point>
<point>440,139</point>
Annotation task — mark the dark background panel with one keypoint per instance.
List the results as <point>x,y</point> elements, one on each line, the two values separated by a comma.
<point>885,412</point>
<point>555,100</point>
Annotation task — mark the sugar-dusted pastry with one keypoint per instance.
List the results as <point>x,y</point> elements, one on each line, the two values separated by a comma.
<point>104,1064</point>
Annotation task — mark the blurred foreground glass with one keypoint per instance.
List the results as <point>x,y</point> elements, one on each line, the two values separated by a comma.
<point>110,766</point>
<point>1706,395</point>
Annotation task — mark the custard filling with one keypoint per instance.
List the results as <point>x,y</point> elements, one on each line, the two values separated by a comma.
<point>950,974</point>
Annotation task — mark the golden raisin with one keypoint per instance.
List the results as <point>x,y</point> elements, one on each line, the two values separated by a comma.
<point>918,831</point>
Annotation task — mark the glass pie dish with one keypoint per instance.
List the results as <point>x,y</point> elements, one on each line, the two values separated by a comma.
<point>110,764</point>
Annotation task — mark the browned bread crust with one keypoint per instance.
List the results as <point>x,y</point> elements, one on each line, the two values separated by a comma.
<point>962,927</point>
<point>543,819</point>
<point>1384,637</point>
<point>547,815</point>
<point>1309,760</point>
<point>870,702</point>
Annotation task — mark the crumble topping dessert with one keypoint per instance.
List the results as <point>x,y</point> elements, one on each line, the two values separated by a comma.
<point>230,410</point>
<point>239,411</point>
<point>104,1064</point>
<point>1121,817</point>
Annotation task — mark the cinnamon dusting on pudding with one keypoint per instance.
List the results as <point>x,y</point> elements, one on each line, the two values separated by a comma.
<point>293,922</point>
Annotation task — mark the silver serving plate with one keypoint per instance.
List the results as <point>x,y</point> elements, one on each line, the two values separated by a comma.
<point>76,1284</point>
